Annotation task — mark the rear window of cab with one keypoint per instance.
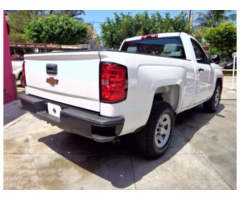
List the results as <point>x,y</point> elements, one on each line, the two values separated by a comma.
<point>165,47</point>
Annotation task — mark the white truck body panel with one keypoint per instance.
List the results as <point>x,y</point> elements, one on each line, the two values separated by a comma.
<point>182,84</point>
<point>78,75</point>
<point>144,79</point>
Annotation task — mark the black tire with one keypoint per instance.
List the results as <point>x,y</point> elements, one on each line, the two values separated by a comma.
<point>210,105</point>
<point>21,81</point>
<point>145,138</point>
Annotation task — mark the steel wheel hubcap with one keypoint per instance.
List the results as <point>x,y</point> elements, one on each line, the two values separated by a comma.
<point>163,130</point>
<point>217,95</point>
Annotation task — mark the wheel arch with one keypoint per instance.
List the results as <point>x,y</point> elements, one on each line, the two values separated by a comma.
<point>220,81</point>
<point>169,94</point>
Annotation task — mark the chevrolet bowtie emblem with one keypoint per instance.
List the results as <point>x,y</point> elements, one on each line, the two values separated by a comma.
<point>52,81</point>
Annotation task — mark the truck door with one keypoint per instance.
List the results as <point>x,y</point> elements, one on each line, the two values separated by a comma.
<point>202,73</point>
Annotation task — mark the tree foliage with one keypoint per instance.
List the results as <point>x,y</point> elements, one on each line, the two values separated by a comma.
<point>97,41</point>
<point>70,13</point>
<point>223,38</point>
<point>114,31</point>
<point>54,29</point>
<point>212,18</point>
<point>91,34</point>
<point>18,20</point>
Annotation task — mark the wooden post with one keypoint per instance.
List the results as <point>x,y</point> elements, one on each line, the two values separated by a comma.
<point>191,17</point>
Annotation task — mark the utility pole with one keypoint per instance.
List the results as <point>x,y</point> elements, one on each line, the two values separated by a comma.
<point>191,17</point>
<point>92,34</point>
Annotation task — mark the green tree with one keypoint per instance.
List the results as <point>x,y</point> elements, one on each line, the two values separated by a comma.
<point>69,13</point>
<point>198,34</point>
<point>56,30</point>
<point>212,18</point>
<point>97,41</point>
<point>91,34</point>
<point>223,38</point>
<point>18,20</point>
<point>114,31</point>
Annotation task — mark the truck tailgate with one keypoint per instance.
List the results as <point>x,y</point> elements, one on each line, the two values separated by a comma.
<point>77,77</point>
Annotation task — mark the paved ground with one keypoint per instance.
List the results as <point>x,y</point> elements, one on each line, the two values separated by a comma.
<point>227,83</point>
<point>202,155</point>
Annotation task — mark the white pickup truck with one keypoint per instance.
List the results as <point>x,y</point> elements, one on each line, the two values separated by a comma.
<point>139,89</point>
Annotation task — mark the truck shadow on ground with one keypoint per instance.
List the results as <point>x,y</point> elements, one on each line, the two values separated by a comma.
<point>120,164</point>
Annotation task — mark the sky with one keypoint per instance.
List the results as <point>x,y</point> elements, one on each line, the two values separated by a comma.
<point>96,17</point>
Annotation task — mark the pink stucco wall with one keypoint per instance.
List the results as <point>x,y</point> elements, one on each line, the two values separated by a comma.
<point>9,91</point>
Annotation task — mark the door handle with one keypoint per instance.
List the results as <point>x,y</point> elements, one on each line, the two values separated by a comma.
<point>200,69</point>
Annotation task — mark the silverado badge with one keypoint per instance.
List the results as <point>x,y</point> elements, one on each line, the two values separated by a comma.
<point>52,81</point>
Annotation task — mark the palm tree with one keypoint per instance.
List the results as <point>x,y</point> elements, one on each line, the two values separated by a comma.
<point>213,18</point>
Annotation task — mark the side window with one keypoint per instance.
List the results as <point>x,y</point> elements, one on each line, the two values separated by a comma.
<point>200,55</point>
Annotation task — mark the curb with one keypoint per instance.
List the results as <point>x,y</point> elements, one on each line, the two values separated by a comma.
<point>15,121</point>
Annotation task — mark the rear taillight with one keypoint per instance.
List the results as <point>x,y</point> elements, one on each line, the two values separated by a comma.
<point>149,36</point>
<point>24,74</point>
<point>113,82</point>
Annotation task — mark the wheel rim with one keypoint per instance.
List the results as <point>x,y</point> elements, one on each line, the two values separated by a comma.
<point>163,130</point>
<point>217,96</point>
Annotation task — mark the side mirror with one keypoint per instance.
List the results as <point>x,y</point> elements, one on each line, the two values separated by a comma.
<point>216,58</point>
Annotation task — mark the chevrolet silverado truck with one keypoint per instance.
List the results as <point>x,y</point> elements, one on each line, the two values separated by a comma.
<point>137,89</point>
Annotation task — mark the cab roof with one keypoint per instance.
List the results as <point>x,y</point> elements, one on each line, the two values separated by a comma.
<point>159,36</point>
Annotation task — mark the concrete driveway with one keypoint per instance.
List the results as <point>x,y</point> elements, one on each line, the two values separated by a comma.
<point>202,155</point>
<point>227,83</point>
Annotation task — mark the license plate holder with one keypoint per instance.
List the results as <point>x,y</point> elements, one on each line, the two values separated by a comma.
<point>54,109</point>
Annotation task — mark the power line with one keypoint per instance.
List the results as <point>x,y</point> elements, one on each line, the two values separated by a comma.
<point>95,22</point>
<point>173,12</point>
<point>200,22</point>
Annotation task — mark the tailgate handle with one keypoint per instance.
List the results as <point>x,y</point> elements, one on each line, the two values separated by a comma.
<point>51,69</point>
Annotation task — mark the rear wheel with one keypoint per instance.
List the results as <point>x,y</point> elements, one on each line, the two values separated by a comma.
<point>212,104</point>
<point>153,140</point>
